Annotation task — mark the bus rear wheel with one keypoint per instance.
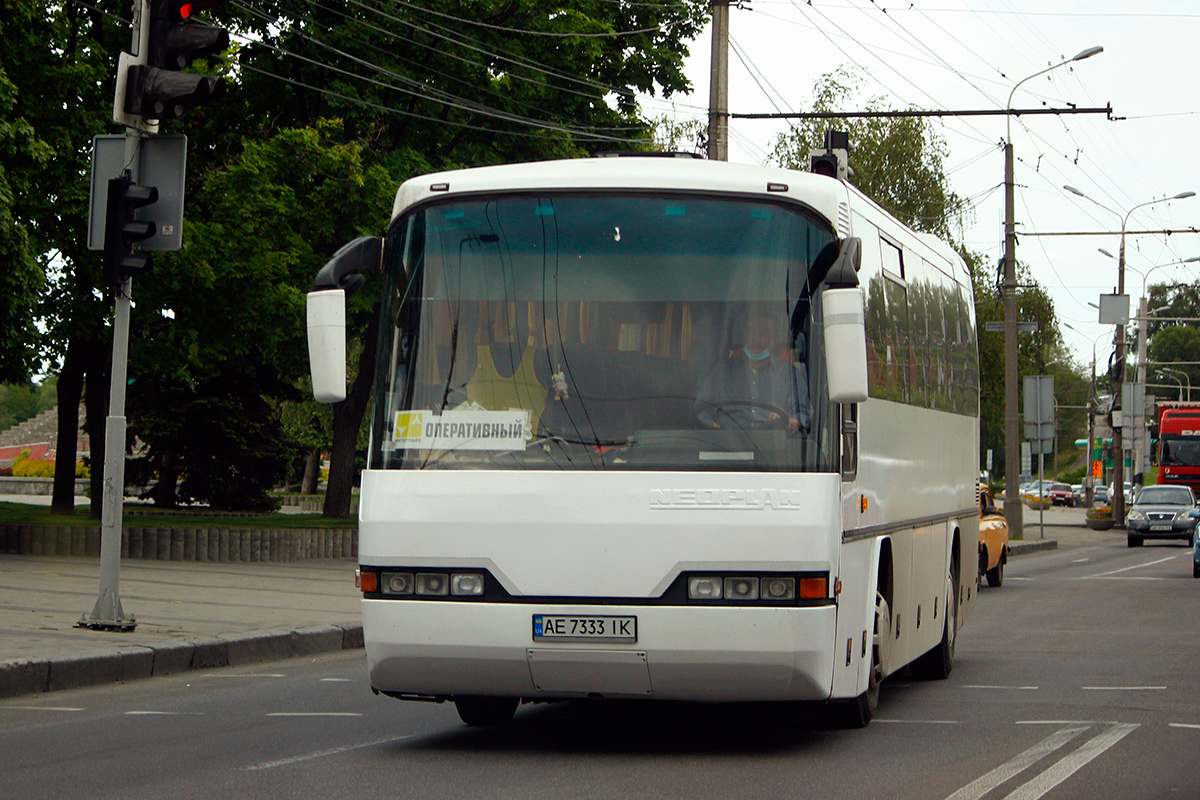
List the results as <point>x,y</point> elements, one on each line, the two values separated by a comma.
<point>475,710</point>
<point>937,663</point>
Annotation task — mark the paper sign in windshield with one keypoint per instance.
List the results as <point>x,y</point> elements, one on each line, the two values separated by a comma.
<point>462,430</point>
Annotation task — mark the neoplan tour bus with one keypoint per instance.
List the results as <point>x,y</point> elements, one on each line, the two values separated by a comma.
<point>658,428</point>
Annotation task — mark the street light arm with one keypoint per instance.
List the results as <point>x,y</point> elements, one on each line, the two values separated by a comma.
<point>1080,56</point>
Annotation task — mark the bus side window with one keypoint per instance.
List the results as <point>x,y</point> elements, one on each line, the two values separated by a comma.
<point>849,441</point>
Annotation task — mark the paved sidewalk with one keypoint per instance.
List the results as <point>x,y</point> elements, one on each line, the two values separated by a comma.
<point>1060,528</point>
<point>190,615</point>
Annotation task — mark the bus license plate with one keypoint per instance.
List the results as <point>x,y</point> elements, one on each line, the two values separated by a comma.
<point>564,628</point>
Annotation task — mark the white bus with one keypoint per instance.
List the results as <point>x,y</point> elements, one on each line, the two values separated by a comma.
<point>570,495</point>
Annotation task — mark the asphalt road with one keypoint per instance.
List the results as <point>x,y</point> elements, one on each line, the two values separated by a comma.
<point>1076,679</point>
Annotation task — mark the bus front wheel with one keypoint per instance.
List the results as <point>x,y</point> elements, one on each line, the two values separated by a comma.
<point>858,712</point>
<point>486,710</point>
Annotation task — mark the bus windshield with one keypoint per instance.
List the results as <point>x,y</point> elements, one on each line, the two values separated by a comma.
<point>586,331</point>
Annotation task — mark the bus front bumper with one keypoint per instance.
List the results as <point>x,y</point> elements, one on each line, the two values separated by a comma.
<point>709,654</point>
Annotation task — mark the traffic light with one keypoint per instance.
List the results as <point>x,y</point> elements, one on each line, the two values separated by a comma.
<point>824,164</point>
<point>158,90</point>
<point>122,230</point>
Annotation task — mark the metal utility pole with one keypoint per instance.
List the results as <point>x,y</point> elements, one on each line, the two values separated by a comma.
<point>1012,441</point>
<point>718,84</point>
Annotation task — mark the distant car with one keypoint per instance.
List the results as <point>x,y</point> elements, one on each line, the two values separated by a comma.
<point>1100,495</point>
<point>1079,492</point>
<point>1060,494</point>
<point>1130,492</point>
<point>1161,512</point>
<point>993,539</point>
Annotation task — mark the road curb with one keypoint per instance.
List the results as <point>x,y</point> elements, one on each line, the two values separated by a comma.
<point>135,661</point>
<point>1021,547</point>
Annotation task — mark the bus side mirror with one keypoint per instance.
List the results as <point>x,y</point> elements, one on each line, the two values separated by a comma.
<point>327,344</point>
<point>344,268</point>
<point>845,344</point>
<point>338,279</point>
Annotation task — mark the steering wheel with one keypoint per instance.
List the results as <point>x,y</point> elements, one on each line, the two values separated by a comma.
<point>725,415</point>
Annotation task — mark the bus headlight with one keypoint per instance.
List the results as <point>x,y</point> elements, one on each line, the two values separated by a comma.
<point>466,584</point>
<point>741,588</point>
<point>778,588</point>
<point>396,582</point>
<point>435,583</point>
<point>704,588</point>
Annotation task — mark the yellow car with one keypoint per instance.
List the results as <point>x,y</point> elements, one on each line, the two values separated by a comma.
<point>993,538</point>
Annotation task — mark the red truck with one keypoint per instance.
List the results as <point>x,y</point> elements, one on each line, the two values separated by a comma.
<point>1179,445</point>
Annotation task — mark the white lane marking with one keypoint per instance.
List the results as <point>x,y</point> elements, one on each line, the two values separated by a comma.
<point>1136,566</point>
<point>337,680</point>
<point>42,708</point>
<point>985,783</point>
<point>1080,560</point>
<point>246,675</point>
<point>1068,765</point>
<point>1123,688</point>
<point>1147,578</point>
<point>986,686</point>
<point>314,714</point>
<point>1183,725</point>
<point>283,762</point>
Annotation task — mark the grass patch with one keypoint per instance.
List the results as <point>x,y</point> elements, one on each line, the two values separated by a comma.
<point>23,514</point>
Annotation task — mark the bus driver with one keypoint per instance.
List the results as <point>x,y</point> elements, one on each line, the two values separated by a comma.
<point>754,387</point>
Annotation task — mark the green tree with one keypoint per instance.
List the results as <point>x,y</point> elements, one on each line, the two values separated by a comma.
<point>227,341</point>
<point>1041,352</point>
<point>22,155</point>
<point>897,161</point>
<point>1174,332</point>
<point>55,94</point>
<point>413,87</point>
<point>462,84</point>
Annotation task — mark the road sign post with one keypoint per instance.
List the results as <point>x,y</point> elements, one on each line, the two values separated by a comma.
<point>1040,429</point>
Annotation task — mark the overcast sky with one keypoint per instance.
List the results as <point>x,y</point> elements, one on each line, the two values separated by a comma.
<point>969,54</point>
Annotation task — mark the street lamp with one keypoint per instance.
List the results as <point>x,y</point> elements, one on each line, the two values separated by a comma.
<point>1012,441</point>
<point>1090,482</point>
<point>1119,380</point>
<point>1167,373</point>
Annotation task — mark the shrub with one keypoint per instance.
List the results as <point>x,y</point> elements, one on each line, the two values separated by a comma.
<point>39,468</point>
<point>33,468</point>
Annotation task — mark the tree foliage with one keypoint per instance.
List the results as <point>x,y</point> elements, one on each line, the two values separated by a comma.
<point>1174,335</point>
<point>897,161</point>
<point>329,107</point>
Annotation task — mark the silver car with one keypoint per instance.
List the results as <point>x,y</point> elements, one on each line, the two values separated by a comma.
<point>1161,512</point>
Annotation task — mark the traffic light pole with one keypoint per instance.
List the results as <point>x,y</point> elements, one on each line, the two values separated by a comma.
<point>107,614</point>
<point>150,87</point>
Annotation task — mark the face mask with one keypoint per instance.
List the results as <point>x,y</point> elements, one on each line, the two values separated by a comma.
<point>760,356</point>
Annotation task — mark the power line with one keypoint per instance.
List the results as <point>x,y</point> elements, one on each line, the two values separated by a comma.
<point>985,112</point>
